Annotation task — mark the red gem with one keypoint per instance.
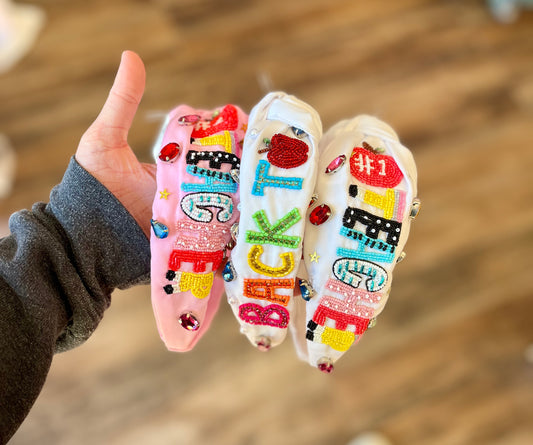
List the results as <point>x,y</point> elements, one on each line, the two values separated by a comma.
<point>337,163</point>
<point>320,215</point>
<point>188,321</point>
<point>169,152</point>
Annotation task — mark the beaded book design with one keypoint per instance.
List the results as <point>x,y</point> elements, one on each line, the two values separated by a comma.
<point>198,159</point>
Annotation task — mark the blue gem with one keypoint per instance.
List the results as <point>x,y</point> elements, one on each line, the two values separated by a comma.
<point>299,133</point>
<point>228,273</point>
<point>160,230</point>
<point>306,290</point>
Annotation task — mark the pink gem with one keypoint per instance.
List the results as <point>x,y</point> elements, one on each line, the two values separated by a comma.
<point>336,164</point>
<point>188,321</point>
<point>325,365</point>
<point>263,344</point>
<point>189,119</point>
<point>320,215</point>
<point>169,152</point>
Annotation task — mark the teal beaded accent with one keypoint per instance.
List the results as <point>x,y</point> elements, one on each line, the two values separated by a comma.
<point>365,243</point>
<point>215,181</point>
<point>272,234</point>
<point>262,180</point>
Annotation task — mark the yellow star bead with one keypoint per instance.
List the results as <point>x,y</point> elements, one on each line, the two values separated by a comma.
<point>314,257</point>
<point>244,127</point>
<point>164,194</point>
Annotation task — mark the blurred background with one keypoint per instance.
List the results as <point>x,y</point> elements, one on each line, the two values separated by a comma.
<point>451,358</point>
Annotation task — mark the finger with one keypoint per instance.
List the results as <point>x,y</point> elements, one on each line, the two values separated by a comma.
<point>118,112</point>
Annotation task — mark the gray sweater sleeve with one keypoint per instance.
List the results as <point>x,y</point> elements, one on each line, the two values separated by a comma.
<point>57,271</point>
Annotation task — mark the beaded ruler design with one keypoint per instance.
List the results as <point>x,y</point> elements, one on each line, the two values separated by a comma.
<point>366,180</point>
<point>276,182</point>
<point>197,155</point>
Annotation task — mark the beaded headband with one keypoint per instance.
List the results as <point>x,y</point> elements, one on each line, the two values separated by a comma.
<point>278,191</point>
<point>198,160</point>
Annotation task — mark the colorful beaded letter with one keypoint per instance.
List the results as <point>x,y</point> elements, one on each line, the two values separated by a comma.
<point>374,224</point>
<point>262,180</point>
<point>272,234</point>
<point>364,243</point>
<point>195,206</point>
<point>215,181</point>
<point>349,292</point>
<point>287,263</point>
<point>351,272</point>
<point>199,260</point>
<point>266,289</point>
<point>215,158</point>
<point>271,315</point>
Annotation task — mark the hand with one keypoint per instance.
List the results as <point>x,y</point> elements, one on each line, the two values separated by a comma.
<point>104,151</point>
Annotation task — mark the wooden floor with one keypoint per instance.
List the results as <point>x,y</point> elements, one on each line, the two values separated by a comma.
<point>446,364</point>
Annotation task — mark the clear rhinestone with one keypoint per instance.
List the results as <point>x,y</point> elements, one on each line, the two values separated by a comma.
<point>415,208</point>
<point>298,132</point>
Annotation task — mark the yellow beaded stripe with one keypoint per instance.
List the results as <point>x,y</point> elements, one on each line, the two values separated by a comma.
<point>338,340</point>
<point>225,139</point>
<point>287,263</point>
<point>385,202</point>
<point>199,284</point>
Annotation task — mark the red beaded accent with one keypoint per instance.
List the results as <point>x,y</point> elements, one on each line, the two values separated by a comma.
<point>198,259</point>
<point>271,315</point>
<point>374,169</point>
<point>287,152</point>
<point>227,119</point>
<point>341,320</point>
<point>265,289</point>
<point>343,313</point>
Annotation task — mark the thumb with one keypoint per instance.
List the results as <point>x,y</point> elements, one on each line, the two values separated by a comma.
<point>116,117</point>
